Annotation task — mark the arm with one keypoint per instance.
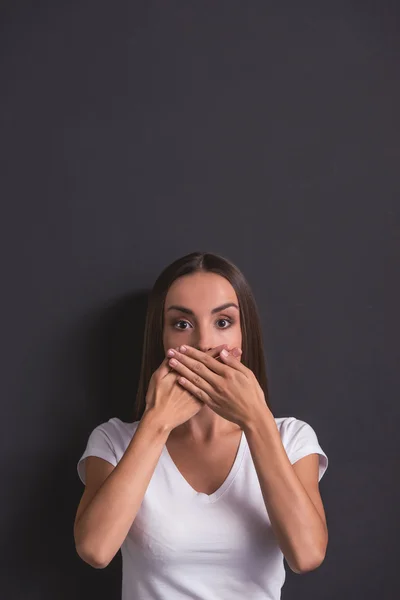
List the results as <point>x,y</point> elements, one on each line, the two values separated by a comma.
<point>298,525</point>
<point>101,527</point>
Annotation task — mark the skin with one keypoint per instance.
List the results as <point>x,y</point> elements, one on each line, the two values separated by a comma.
<point>202,292</point>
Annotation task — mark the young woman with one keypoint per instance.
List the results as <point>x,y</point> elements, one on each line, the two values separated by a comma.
<point>205,492</point>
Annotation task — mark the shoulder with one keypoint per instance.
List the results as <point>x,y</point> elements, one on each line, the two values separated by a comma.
<point>289,427</point>
<point>108,441</point>
<point>112,436</point>
<point>115,426</point>
<point>118,432</point>
<point>293,431</point>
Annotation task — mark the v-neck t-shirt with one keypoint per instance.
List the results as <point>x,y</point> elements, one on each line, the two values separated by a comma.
<point>185,544</point>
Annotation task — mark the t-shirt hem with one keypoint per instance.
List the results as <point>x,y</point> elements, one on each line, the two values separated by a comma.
<point>305,451</point>
<point>93,452</point>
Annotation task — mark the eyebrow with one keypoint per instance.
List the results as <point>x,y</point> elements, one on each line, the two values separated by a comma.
<point>214,310</point>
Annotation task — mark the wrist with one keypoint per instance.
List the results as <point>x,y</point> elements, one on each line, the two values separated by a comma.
<point>261,416</point>
<point>154,420</point>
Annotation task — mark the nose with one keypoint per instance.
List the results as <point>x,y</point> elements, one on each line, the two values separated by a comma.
<point>204,338</point>
<point>203,346</point>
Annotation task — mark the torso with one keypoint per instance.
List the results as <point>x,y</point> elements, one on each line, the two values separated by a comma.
<point>205,467</point>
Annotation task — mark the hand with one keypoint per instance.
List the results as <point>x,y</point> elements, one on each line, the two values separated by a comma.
<point>228,387</point>
<point>173,404</point>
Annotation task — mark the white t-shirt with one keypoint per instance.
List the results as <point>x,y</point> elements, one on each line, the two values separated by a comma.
<point>188,545</point>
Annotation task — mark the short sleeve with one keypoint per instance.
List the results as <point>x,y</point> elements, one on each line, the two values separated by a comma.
<point>99,444</point>
<point>300,440</point>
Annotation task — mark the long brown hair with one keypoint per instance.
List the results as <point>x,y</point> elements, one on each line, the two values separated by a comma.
<point>153,350</point>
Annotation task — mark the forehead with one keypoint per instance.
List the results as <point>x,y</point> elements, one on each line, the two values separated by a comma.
<point>202,290</point>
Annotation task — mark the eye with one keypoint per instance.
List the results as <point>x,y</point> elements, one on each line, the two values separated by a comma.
<point>227,321</point>
<point>181,321</point>
<point>230,321</point>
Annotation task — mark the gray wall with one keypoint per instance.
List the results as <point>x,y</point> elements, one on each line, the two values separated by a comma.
<point>135,132</point>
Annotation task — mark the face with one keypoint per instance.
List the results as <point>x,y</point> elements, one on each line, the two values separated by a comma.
<point>188,316</point>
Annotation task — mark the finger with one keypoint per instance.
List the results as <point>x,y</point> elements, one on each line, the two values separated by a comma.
<point>200,362</point>
<point>198,393</point>
<point>207,366</point>
<point>199,372</point>
<point>216,349</point>
<point>165,368</point>
<point>235,351</point>
<point>214,352</point>
<point>233,362</point>
<point>201,378</point>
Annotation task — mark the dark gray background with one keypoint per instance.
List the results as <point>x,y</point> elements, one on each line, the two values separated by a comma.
<point>135,132</point>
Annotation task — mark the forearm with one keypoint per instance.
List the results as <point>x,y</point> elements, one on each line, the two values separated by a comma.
<point>295,521</point>
<point>104,525</point>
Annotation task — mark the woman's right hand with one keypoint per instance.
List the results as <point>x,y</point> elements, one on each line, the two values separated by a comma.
<point>173,404</point>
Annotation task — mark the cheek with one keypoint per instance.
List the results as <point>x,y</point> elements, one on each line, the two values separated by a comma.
<point>166,341</point>
<point>235,336</point>
<point>172,338</point>
<point>235,340</point>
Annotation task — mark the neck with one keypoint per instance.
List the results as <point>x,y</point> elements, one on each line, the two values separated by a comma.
<point>205,427</point>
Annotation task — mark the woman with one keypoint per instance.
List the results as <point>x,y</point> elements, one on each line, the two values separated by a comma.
<point>205,492</point>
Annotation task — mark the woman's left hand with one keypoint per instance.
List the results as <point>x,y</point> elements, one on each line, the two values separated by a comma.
<point>228,387</point>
